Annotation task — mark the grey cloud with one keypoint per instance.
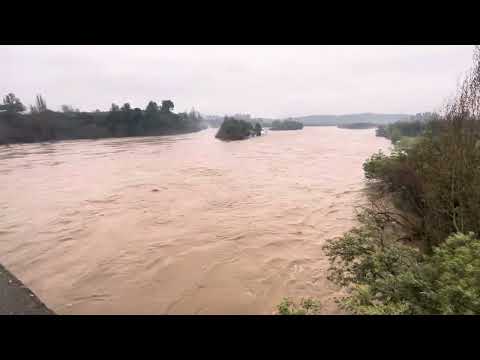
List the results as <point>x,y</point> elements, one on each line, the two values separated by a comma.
<point>265,81</point>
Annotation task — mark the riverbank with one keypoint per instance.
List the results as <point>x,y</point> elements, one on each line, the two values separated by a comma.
<point>168,132</point>
<point>17,299</point>
<point>47,125</point>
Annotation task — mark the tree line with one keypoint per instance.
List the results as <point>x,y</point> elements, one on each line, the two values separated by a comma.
<point>43,124</point>
<point>411,127</point>
<point>286,125</point>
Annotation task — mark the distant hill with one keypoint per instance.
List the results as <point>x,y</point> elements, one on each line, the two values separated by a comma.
<point>325,120</point>
<point>333,120</point>
<point>358,125</point>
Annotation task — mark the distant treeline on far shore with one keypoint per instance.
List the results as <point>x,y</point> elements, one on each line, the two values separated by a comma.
<point>286,125</point>
<point>348,121</point>
<point>411,126</point>
<point>361,125</point>
<point>42,124</point>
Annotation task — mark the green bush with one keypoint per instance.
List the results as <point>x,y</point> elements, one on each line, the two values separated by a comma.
<point>453,276</point>
<point>305,307</point>
<point>233,129</point>
<point>394,278</point>
<point>395,174</point>
<point>375,167</point>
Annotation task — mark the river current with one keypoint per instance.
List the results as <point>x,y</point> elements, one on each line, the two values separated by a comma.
<point>183,224</point>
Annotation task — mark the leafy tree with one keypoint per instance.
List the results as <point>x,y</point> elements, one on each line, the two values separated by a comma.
<point>114,118</point>
<point>152,108</point>
<point>134,121</point>
<point>67,109</point>
<point>12,104</point>
<point>398,279</point>
<point>258,129</point>
<point>126,107</point>
<point>167,106</point>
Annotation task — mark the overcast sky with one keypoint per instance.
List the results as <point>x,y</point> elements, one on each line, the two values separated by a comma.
<point>265,81</point>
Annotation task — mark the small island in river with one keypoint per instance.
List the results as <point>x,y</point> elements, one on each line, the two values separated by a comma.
<point>234,129</point>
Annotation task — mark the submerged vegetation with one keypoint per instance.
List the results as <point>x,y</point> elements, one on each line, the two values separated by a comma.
<point>42,124</point>
<point>235,129</point>
<point>286,125</point>
<point>416,249</point>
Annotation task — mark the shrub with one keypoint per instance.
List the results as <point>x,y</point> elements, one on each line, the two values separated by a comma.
<point>397,279</point>
<point>233,129</point>
<point>305,307</point>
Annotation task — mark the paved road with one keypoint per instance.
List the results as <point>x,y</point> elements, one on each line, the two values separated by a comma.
<point>17,299</point>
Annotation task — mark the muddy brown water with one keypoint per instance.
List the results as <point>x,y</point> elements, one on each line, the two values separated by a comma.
<point>181,224</point>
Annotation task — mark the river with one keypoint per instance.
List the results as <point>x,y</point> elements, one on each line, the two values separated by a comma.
<point>182,224</point>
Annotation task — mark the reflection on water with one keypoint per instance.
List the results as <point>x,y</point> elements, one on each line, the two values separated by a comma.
<point>180,224</point>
